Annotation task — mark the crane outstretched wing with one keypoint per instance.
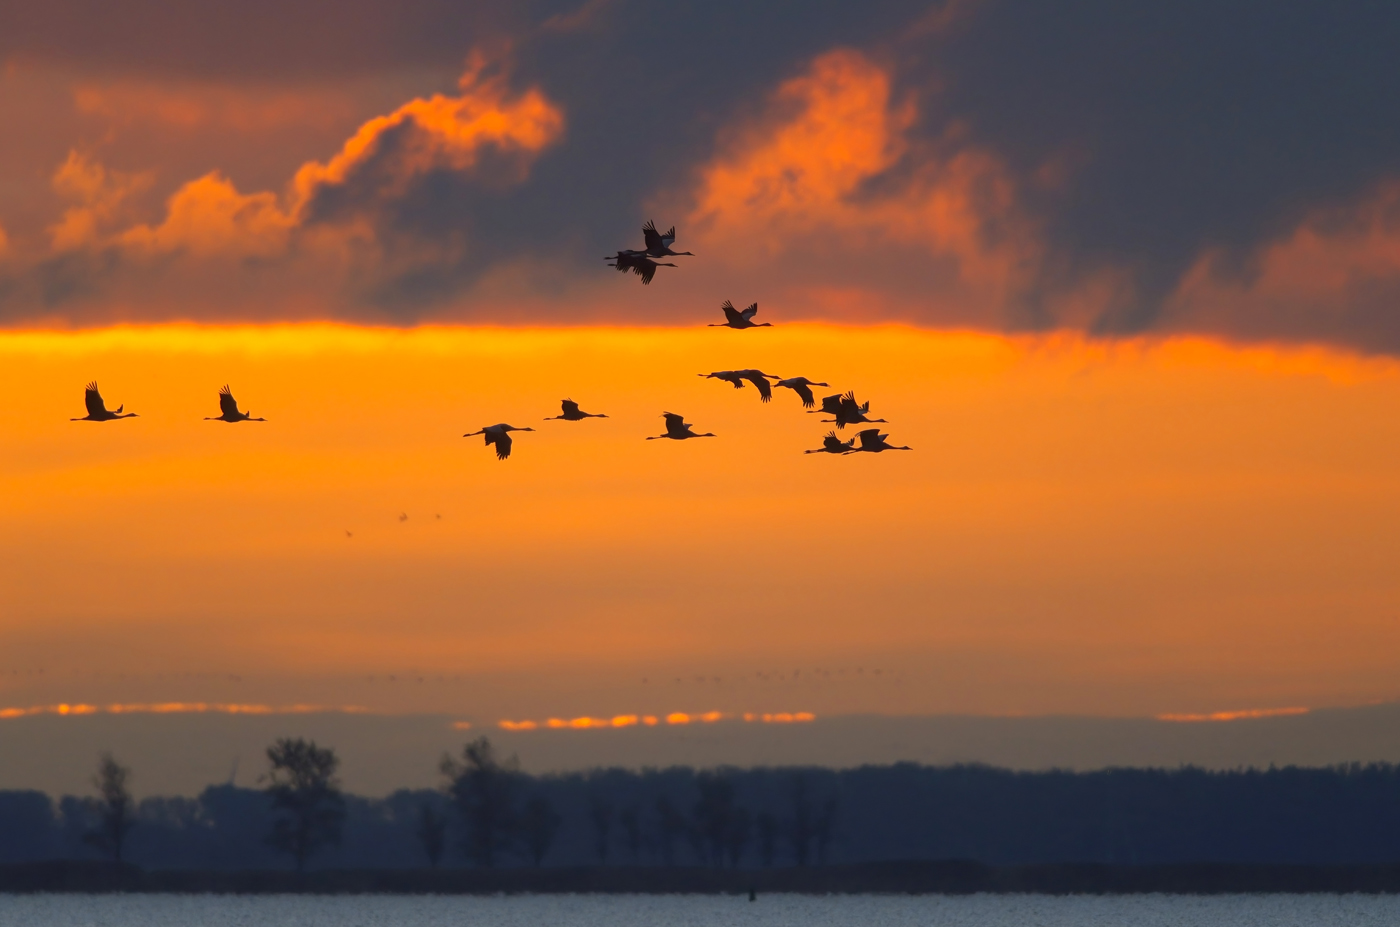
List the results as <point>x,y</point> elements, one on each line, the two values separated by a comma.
<point>765,390</point>
<point>569,406</point>
<point>645,269</point>
<point>227,404</point>
<point>732,315</point>
<point>651,236</point>
<point>93,400</point>
<point>502,446</point>
<point>675,424</point>
<point>805,392</point>
<point>669,238</point>
<point>871,438</point>
<point>750,312</point>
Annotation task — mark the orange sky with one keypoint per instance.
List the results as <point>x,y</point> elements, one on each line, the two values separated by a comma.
<point>1167,524</point>
<point>1125,527</point>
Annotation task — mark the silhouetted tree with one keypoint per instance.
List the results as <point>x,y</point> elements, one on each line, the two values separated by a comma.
<point>736,836</point>
<point>432,833</point>
<point>825,829</point>
<point>767,826</point>
<point>306,800</point>
<point>539,825</point>
<point>484,790</point>
<point>114,808</point>
<point>600,813</point>
<point>800,826</point>
<point>631,822</point>
<point>670,824</point>
<point>713,816</point>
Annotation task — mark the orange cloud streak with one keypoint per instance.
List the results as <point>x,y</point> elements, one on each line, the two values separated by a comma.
<point>170,708</point>
<point>1243,715</point>
<point>675,718</point>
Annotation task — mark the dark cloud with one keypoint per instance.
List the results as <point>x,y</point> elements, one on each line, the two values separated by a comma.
<point>1189,125</point>
<point>1138,138</point>
<point>253,39</point>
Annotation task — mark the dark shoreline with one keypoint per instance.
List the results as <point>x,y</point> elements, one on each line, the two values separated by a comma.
<point>952,877</point>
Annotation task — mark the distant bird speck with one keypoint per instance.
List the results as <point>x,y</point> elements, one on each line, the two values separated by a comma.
<point>348,535</point>
<point>499,436</point>
<point>677,429</point>
<point>97,409</point>
<point>572,413</point>
<point>734,318</point>
<point>228,410</point>
<point>403,516</point>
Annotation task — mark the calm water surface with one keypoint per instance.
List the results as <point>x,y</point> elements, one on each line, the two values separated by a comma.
<point>696,911</point>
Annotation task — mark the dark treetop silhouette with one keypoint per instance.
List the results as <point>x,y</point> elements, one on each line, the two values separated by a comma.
<point>228,409</point>
<point>846,410</point>
<point>572,413</point>
<point>116,809</point>
<point>658,244</point>
<point>97,409</point>
<point>677,429</point>
<point>305,797</point>
<point>737,377</point>
<point>802,387</point>
<point>736,319</point>
<point>833,445</point>
<point>497,435</point>
<point>871,440</point>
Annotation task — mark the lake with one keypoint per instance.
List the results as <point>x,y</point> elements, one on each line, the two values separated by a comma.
<point>698,911</point>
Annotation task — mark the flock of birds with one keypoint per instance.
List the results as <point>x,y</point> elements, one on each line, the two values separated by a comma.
<point>844,409</point>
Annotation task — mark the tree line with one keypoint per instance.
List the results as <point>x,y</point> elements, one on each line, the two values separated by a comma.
<point>488,813</point>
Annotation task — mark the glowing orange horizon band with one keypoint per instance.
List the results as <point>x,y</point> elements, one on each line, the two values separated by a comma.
<point>1234,715</point>
<point>170,708</point>
<point>676,717</point>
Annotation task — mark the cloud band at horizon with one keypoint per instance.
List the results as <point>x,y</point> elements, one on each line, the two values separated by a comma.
<point>1114,527</point>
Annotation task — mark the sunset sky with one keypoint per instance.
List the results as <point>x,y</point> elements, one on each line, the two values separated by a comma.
<point>1126,278</point>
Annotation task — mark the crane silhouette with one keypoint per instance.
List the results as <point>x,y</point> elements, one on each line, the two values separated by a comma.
<point>97,409</point>
<point>677,429</point>
<point>733,318</point>
<point>834,445</point>
<point>499,436</point>
<point>572,413</point>
<point>802,387</point>
<point>757,377</point>
<point>638,263</point>
<point>228,410</point>
<point>873,442</point>
<point>846,410</point>
<point>659,245</point>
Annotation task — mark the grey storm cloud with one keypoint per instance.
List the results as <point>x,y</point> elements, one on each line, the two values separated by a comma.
<point>1182,129</point>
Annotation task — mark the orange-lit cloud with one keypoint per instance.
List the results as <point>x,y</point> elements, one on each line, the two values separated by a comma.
<point>674,718</point>
<point>208,217</point>
<point>1243,715</point>
<point>801,180</point>
<point>170,708</point>
<point>1339,270</point>
<point>195,108</point>
<point>98,194</point>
